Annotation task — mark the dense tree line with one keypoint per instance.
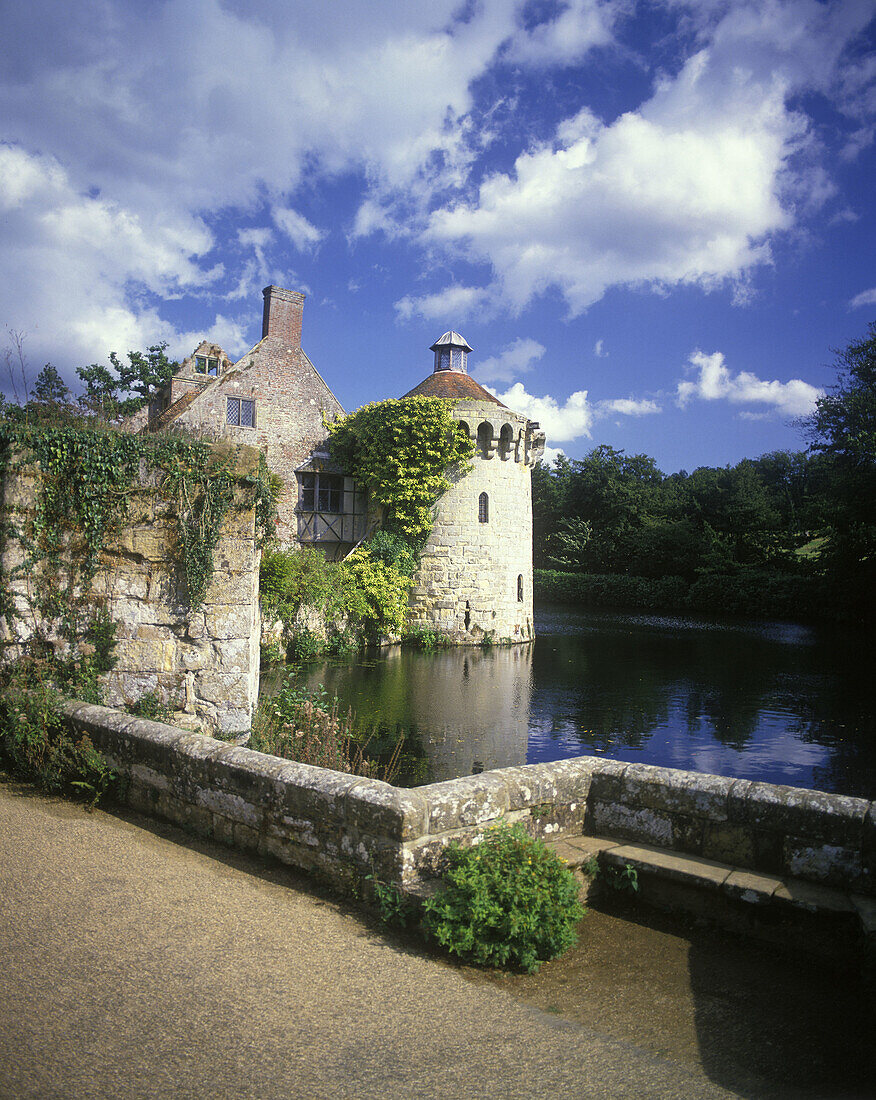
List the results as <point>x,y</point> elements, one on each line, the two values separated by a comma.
<point>787,531</point>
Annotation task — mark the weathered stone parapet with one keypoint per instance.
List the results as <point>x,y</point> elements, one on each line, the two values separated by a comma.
<point>345,827</point>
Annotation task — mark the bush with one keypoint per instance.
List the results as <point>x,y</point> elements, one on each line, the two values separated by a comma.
<point>377,594</point>
<point>392,549</point>
<point>509,901</point>
<point>38,746</point>
<point>362,595</point>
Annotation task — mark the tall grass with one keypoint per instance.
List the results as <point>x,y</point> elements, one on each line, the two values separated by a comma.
<point>307,726</point>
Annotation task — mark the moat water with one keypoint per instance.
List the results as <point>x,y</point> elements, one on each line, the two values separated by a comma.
<point>772,701</point>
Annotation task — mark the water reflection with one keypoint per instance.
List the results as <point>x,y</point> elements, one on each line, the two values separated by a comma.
<point>773,701</point>
<point>460,710</point>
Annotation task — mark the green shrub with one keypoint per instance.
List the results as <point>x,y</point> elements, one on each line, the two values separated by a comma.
<point>377,594</point>
<point>395,550</point>
<point>424,638</point>
<point>38,745</point>
<point>305,646</point>
<point>366,593</point>
<point>509,901</point>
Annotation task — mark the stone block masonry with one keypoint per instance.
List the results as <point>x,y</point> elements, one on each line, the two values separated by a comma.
<point>806,850</point>
<point>474,582</point>
<point>203,664</point>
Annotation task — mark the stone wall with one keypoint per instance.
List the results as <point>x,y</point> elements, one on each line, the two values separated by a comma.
<point>345,827</point>
<point>204,664</point>
<point>475,578</point>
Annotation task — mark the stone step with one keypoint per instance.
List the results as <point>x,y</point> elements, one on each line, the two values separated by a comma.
<point>778,909</point>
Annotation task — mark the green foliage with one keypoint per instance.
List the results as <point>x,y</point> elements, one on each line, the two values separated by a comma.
<point>401,452</point>
<point>377,594</point>
<point>425,639</point>
<point>151,707</point>
<point>508,901</point>
<point>755,593</point>
<point>35,741</point>
<point>111,395</point>
<point>366,594</point>
<point>393,907</point>
<point>272,652</point>
<point>394,550</point>
<point>50,388</point>
<point>88,475</point>
<point>842,432</point>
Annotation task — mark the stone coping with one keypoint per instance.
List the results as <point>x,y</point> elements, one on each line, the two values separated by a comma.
<point>778,830</point>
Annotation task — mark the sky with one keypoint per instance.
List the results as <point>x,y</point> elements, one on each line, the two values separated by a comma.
<point>653,222</point>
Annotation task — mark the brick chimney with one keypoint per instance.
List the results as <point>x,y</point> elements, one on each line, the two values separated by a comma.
<point>282,315</point>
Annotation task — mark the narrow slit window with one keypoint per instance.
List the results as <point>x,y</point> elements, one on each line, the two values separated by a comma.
<point>483,508</point>
<point>240,412</point>
<point>520,587</point>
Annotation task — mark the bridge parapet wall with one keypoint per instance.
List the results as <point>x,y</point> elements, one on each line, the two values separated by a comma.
<point>345,827</point>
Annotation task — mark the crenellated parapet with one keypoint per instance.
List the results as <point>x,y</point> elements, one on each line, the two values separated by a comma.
<point>497,432</point>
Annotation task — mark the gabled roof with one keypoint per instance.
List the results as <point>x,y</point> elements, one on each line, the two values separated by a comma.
<point>453,384</point>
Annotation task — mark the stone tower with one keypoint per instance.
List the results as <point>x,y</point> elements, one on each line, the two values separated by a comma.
<point>474,583</point>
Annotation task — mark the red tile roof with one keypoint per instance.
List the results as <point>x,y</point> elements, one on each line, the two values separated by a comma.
<point>453,384</point>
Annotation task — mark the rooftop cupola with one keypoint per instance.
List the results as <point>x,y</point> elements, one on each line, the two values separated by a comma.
<point>451,353</point>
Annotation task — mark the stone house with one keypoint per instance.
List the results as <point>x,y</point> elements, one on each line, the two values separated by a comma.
<point>475,577</point>
<point>275,399</point>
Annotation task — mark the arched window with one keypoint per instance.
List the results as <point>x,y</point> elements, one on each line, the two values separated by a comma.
<point>485,439</point>
<point>506,439</point>
<point>483,508</point>
<point>520,587</point>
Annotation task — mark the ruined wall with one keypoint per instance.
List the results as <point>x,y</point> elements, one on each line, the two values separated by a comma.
<point>203,664</point>
<point>467,583</point>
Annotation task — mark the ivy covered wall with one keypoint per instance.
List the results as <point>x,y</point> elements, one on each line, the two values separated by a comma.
<point>167,587</point>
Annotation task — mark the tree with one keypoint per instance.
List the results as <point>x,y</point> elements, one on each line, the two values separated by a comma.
<point>50,388</point>
<point>134,383</point>
<point>844,421</point>
<point>843,429</point>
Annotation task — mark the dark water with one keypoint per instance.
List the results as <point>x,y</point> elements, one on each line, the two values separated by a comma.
<point>772,701</point>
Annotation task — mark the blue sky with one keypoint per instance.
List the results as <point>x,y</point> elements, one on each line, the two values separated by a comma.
<point>651,221</point>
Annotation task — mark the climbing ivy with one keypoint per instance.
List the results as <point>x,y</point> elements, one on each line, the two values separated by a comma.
<point>402,451</point>
<point>88,474</point>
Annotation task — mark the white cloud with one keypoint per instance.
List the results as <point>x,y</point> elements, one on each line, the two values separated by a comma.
<point>577,26</point>
<point>714,382</point>
<point>551,454</point>
<point>561,423</point>
<point>628,406</point>
<point>77,268</point>
<point>302,233</point>
<point>454,303</point>
<point>689,189</point>
<point>599,350</point>
<point>865,298</point>
<point>519,357</point>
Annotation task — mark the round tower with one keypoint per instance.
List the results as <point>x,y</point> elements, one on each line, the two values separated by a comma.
<point>474,584</point>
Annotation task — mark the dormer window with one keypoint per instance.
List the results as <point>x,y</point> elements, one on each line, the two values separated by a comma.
<point>206,364</point>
